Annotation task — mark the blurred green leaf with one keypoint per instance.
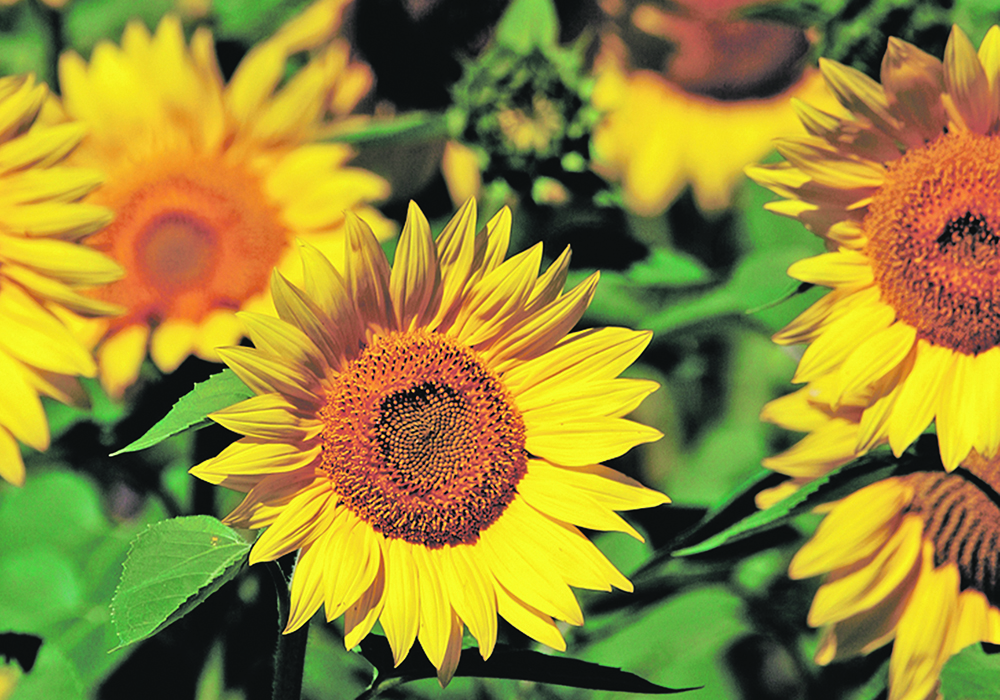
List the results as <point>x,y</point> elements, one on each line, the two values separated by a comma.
<point>252,20</point>
<point>837,484</point>
<point>731,441</point>
<point>529,24</point>
<point>668,268</point>
<point>53,677</point>
<point>511,663</point>
<point>219,391</point>
<point>173,566</point>
<point>59,566</point>
<point>414,127</point>
<point>26,44</point>
<point>682,639</point>
<point>971,674</point>
<point>86,22</point>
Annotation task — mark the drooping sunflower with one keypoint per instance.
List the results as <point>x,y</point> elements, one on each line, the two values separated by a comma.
<point>903,190</point>
<point>911,559</point>
<point>43,268</point>
<point>430,438</point>
<point>716,105</point>
<point>210,181</point>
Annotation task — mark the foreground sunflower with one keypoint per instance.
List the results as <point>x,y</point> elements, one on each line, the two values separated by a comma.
<point>716,106</point>
<point>210,182</point>
<point>43,267</point>
<point>911,559</point>
<point>429,436</point>
<point>904,191</point>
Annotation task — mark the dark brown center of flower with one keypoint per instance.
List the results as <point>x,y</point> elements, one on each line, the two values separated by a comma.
<point>962,519</point>
<point>934,230</point>
<point>421,440</point>
<point>707,50</point>
<point>176,251</point>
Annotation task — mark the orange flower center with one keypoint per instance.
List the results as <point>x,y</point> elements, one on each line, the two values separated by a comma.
<point>421,440</point>
<point>176,250</point>
<point>934,241</point>
<point>193,234</point>
<point>963,521</point>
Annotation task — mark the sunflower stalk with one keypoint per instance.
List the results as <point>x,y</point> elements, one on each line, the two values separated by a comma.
<point>290,653</point>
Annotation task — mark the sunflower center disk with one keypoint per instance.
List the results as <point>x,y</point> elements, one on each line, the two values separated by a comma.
<point>963,522</point>
<point>176,251</point>
<point>934,241</point>
<point>422,441</point>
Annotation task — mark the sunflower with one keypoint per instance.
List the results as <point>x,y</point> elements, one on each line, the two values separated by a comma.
<point>903,190</point>
<point>429,437</point>
<point>210,182</point>
<point>716,107</point>
<point>910,559</point>
<point>43,266</point>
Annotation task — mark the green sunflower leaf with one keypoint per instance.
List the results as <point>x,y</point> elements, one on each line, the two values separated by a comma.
<point>172,567</point>
<point>971,675</point>
<point>837,484</point>
<point>514,664</point>
<point>414,127</point>
<point>219,391</point>
<point>528,24</point>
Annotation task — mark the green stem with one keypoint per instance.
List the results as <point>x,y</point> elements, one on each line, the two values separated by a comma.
<point>377,689</point>
<point>290,654</point>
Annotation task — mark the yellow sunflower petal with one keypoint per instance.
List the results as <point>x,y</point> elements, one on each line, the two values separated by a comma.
<point>298,525</point>
<point>917,403</point>
<point>923,643</point>
<point>415,275</point>
<point>21,410</point>
<point>914,82</point>
<point>856,527</point>
<point>171,342</point>
<point>120,358</point>
<point>11,463</point>
<point>362,616</point>
<point>266,373</point>
<point>587,441</point>
<point>434,628</point>
<point>834,269</point>
<point>254,456</point>
<point>529,619</point>
<point>269,416</point>
<point>877,578</point>
<point>538,585</point>
<point>540,332</point>
<point>355,560</point>
<point>953,427</point>
<point>367,273</point>
<point>597,353</point>
<point>282,339</point>
<point>401,615</point>
<point>471,590</point>
<point>456,246</point>
<point>966,82</point>
<point>306,592</point>
<point>876,356</point>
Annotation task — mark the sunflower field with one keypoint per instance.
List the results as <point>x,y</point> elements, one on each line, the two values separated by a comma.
<point>507,350</point>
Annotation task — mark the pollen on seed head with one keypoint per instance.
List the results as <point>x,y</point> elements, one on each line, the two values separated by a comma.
<point>934,230</point>
<point>421,440</point>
